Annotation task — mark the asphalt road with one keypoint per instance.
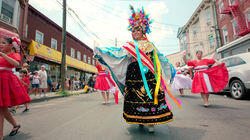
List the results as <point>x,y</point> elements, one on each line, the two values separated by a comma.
<point>83,117</point>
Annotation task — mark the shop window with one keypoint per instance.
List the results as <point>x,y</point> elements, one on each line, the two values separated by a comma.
<point>225,35</point>
<point>53,43</point>
<point>89,60</point>
<point>248,49</point>
<point>78,55</point>
<point>72,52</point>
<point>208,17</point>
<point>39,36</point>
<point>84,58</point>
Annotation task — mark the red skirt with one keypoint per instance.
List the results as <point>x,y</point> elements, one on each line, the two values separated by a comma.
<point>12,91</point>
<point>218,77</point>
<point>102,83</point>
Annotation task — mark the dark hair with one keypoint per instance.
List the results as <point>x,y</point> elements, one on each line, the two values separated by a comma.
<point>199,51</point>
<point>24,72</point>
<point>9,40</point>
<point>18,69</point>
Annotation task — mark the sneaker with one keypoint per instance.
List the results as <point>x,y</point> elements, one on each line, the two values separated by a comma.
<point>13,111</point>
<point>26,110</point>
<point>151,129</point>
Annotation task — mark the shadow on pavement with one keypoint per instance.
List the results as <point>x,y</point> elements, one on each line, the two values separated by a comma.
<point>214,106</point>
<point>164,132</point>
<point>188,96</point>
<point>19,136</point>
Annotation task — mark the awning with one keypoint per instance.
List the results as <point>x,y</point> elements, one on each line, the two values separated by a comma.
<point>42,51</point>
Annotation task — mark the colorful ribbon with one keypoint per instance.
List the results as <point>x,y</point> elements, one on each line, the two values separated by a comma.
<point>158,76</point>
<point>142,71</point>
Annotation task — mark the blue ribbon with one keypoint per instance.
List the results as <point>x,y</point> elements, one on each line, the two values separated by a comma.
<point>142,70</point>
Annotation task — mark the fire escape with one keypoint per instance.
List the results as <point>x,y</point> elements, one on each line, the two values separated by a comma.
<point>232,7</point>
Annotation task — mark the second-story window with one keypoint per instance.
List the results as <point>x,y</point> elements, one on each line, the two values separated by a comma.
<point>236,28</point>
<point>221,7</point>
<point>53,43</point>
<point>89,60</point>
<point>211,41</point>
<point>26,30</point>
<point>84,58</point>
<point>39,36</point>
<point>194,31</point>
<point>208,17</point>
<point>225,35</point>
<point>72,52</point>
<point>247,15</point>
<point>78,55</point>
<point>7,10</point>
<point>196,48</point>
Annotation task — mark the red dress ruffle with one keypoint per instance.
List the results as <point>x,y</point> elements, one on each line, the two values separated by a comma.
<point>12,91</point>
<point>218,76</point>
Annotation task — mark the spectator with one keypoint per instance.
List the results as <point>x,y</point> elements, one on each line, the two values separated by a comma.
<point>43,80</point>
<point>50,84</point>
<point>35,82</point>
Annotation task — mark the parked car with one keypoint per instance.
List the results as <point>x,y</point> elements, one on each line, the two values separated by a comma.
<point>239,74</point>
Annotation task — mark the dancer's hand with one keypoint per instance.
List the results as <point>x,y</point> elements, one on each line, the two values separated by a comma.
<point>2,54</point>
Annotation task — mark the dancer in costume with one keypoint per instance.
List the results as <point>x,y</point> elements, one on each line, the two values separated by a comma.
<point>104,83</point>
<point>181,81</point>
<point>207,80</point>
<point>140,73</point>
<point>12,92</point>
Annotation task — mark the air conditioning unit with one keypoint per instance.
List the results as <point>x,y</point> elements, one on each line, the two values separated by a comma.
<point>5,18</point>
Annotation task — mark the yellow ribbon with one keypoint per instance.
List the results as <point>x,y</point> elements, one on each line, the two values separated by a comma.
<point>158,77</point>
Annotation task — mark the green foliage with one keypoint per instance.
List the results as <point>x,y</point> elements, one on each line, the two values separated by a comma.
<point>63,92</point>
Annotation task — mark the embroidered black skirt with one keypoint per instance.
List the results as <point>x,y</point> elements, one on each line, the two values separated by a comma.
<point>138,107</point>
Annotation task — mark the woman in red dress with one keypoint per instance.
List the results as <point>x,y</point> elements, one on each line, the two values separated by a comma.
<point>104,83</point>
<point>207,80</point>
<point>12,92</point>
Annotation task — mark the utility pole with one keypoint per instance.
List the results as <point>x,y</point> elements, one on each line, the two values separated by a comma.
<point>115,42</point>
<point>63,62</point>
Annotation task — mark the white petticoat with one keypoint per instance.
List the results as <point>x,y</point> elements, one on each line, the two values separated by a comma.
<point>182,82</point>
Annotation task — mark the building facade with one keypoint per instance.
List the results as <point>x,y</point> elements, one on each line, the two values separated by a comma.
<point>200,33</point>
<point>233,18</point>
<point>176,57</point>
<point>43,43</point>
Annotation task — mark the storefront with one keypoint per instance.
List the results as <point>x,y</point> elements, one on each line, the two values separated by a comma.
<point>51,58</point>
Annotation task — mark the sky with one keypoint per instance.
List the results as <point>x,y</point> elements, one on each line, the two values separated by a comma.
<point>105,22</point>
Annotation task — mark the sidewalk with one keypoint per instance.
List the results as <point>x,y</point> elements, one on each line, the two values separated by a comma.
<point>53,95</point>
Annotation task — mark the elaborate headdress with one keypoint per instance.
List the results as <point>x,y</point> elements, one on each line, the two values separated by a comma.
<point>139,18</point>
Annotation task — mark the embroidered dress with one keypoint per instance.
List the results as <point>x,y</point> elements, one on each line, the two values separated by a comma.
<point>207,79</point>
<point>104,81</point>
<point>12,91</point>
<point>181,81</point>
<point>138,107</point>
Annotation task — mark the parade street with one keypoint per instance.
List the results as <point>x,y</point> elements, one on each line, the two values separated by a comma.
<point>84,117</point>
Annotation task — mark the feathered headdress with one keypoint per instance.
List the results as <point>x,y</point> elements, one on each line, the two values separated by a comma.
<point>139,18</point>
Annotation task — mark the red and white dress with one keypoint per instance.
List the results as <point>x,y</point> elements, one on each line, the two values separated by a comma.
<point>12,91</point>
<point>104,81</point>
<point>207,79</point>
<point>181,81</point>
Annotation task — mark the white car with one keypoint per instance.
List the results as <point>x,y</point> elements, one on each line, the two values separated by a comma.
<point>239,74</point>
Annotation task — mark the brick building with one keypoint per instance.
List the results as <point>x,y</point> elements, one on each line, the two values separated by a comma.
<point>43,40</point>
<point>233,18</point>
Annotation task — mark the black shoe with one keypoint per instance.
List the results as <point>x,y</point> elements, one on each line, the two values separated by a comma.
<point>26,110</point>
<point>14,132</point>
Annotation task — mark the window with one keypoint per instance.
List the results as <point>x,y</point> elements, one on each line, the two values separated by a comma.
<point>53,43</point>
<point>236,28</point>
<point>232,2</point>
<point>89,60</point>
<point>84,58</point>
<point>221,7</point>
<point>7,11</point>
<point>225,35</point>
<point>78,55</point>
<point>248,49</point>
<point>26,30</point>
<point>211,41</point>
<point>234,61</point>
<point>248,18</point>
<point>39,36</point>
<point>72,52</point>
<point>194,31</point>
<point>208,17</point>
<point>93,62</point>
<point>196,48</point>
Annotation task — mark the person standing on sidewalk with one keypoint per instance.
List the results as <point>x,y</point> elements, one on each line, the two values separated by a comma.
<point>35,82</point>
<point>207,80</point>
<point>43,80</point>
<point>12,92</point>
